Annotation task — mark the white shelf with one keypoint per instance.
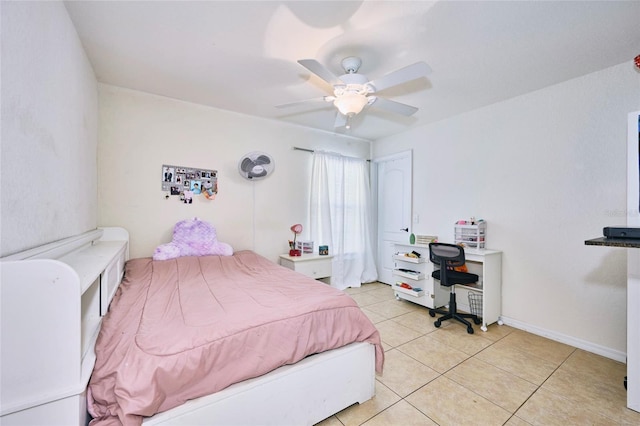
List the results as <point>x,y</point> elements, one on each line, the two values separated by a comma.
<point>63,284</point>
<point>474,286</point>
<point>408,291</point>
<point>430,294</point>
<point>416,277</point>
<point>409,259</point>
<point>90,261</point>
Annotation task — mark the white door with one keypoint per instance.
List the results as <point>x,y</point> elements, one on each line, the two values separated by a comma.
<point>393,181</point>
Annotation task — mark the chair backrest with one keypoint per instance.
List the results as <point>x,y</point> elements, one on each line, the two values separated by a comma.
<point>444,254</point>
<point>449,256</point>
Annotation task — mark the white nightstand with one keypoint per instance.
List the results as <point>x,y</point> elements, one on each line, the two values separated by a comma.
<point>311,265</point>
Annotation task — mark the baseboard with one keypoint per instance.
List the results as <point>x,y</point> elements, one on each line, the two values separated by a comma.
<point>568,340</point>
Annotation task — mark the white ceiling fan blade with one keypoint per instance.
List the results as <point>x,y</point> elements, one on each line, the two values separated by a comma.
<point>394,106</point>
<point>341,120</point>
<point>408,73</point>
<point>306,102</point>
<point>318,69</point>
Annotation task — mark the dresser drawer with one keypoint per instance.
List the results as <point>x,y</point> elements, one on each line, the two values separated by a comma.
<point>314,268</point>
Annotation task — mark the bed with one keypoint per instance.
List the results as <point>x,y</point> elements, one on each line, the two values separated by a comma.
<point>331,366</point>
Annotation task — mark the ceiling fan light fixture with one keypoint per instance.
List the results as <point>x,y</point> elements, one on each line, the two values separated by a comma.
<point>353,91</point>
<point>350,104</point>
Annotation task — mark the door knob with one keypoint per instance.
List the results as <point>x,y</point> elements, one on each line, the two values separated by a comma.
<point>404,229</point>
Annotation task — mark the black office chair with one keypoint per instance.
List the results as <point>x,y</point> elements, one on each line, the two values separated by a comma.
<point>449,256</point>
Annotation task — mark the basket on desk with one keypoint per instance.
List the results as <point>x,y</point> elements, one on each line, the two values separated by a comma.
<point>475,303</point>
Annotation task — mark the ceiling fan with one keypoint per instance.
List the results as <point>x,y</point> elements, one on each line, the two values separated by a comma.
<point>353,91</point>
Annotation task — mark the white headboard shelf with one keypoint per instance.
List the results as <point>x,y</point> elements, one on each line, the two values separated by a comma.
<point>53,298</point>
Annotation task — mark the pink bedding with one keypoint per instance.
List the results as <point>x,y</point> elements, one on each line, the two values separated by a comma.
<point>182,328</point>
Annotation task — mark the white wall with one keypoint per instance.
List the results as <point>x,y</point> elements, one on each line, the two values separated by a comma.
<point>140,132</point>
<point>547,171</point>
<point>49,128</point>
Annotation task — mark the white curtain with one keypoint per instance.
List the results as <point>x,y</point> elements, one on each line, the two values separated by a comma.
<point>340,217</point>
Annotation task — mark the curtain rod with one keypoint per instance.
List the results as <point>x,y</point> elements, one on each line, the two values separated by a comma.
<point>295,148</point>
<point>303,149</point>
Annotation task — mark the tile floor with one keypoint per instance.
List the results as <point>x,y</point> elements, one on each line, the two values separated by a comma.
<point>444,376</point>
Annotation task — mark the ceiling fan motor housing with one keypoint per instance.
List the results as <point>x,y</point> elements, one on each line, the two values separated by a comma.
<point>351,64</point>
<point>353,79</point>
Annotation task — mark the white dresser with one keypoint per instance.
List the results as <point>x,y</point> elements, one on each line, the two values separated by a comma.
<point>311,265</point>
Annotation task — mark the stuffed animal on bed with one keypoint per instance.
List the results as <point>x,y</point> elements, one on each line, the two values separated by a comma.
<point>192,237</point>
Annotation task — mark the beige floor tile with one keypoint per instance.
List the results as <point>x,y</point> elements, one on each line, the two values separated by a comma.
<point>384,294</point>
<point>391,308</point>
<point>366,287</point>
<point>522,364</point>
<point>331,421</point>
<point>591,387</point>
<point>374,317</point>
<point>503,389</point>
<point>386,347</point>
<point>401,413</point>
<point>539,346</point>
<point>395,334</point>
<point>496,332</point>
<point>549,409</point>
<point>403,374</point>
<point>360,413</point>
<point>598,367</point>
<point>517,421</point>
<point>457,337</point>
<point>418,320</point>
<point>354,290</point>
<point>630,418</point>
<point>448,403</point>
<point>433,353</point>
<point>376,286</point>
<point>365,299</point>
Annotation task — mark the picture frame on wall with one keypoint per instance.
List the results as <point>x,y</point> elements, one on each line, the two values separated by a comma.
<point>178,180</point>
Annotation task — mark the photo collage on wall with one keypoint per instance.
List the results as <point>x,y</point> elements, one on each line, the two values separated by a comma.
<point>188,182</point>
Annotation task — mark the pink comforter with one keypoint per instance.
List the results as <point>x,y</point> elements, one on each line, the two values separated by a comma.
<point>187,327</point>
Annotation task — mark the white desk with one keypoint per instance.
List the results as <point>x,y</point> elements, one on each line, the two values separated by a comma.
<point>487,264</point>
<point>490,271</point>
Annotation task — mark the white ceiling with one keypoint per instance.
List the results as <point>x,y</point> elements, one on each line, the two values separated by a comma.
<point>241,55</point>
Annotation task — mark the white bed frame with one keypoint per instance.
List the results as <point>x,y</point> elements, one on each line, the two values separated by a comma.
<point>53,299</point>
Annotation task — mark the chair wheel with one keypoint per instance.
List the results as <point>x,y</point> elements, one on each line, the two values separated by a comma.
<point>432,314</point>
<point>470,330</point>
<point>477,321</point>
<point>437,324</point>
